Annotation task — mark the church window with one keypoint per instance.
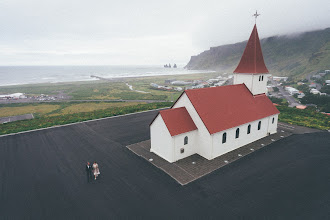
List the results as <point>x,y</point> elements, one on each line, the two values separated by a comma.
<point>262,78</point>
<point>259,125</point>
<point>273,120</point>
<point>185,140</point>
<point>249,129</point>
<point>259,78</point>
<point>237,133</point>
<point>224,137</point>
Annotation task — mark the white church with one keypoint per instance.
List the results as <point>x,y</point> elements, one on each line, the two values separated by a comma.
<point>213,121</point>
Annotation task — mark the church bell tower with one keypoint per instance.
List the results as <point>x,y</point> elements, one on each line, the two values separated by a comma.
<point>251,69</point>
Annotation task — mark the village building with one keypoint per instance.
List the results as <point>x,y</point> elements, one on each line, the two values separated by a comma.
<point>213,121</point>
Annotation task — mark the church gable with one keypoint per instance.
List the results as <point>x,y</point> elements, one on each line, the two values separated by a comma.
<point>178,121</point>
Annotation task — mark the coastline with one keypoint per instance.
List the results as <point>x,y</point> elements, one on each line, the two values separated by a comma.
<point>96,79</point>
<point>25,75</point>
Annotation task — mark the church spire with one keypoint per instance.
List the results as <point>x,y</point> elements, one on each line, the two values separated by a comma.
<point>252,61</point>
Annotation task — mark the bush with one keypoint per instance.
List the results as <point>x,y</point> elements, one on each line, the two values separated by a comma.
<point>307,118</point>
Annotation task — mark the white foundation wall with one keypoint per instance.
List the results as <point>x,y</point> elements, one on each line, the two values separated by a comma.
<point>162,143</point>
<point>203,137</point>
<point>233,143</point>
<point>189,149</point>
<point>252,82</point>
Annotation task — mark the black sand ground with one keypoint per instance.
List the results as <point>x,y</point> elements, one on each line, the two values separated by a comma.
<point>43,177</point>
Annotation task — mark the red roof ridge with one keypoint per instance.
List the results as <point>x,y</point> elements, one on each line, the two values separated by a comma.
<point>252,60</point>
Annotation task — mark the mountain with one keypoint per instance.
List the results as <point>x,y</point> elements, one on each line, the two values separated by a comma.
<point>290,55</point>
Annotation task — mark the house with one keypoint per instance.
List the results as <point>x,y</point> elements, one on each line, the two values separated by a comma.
<point>312,85</point>
<point>279,78</point>
<point>301,95</point>
<point>216,120</point>
<point>314,91</point>
<point>14,96</point>
<point>302,107</point>
<point>291,90</point>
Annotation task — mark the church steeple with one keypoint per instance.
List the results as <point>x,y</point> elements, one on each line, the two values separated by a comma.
<point>252,61</point>
<point>251,69</point>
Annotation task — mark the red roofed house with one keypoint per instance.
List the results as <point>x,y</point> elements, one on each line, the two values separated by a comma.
<point>213,121</point>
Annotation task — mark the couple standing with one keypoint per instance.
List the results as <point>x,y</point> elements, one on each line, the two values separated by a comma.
<point>92,170</point>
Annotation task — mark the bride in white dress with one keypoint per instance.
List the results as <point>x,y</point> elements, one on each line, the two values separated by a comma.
<point>96,170</point>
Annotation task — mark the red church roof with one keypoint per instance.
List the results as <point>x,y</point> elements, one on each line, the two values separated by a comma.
<point>178,120</point>
<point>224,107</point>
<point>252,60</point>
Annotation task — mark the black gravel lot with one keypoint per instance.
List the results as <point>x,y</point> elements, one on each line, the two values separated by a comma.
<point>43,177</point>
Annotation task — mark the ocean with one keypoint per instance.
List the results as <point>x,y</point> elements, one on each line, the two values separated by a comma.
<point>18,75</point>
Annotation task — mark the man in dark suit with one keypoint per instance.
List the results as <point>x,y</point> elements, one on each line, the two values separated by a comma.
<point>89,172</point>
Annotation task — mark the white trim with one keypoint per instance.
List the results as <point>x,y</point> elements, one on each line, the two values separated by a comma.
<point>57,126</point>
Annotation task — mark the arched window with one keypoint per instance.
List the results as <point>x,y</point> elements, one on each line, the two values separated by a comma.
<point>262,78</point>
<point>259,78</point>
<point>224,137</point>
<point>185,140</point>
<point>259,125</point>
<point>237,133</point>
<point>249,129</point>
<point>273,120</point>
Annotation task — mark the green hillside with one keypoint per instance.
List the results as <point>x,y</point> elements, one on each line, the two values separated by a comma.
<point>295,55</point>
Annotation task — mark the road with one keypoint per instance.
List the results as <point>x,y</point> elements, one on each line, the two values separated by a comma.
<point>43,177</point>
<point>318,86</point>
<point>291,101</point>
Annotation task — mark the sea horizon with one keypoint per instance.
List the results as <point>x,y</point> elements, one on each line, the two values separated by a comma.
<point>25,74</point>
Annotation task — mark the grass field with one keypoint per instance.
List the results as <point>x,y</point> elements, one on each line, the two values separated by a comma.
<point>107,90</point>
<point>50,114</point>
<point>44,121</point>
<point>56,109</point>
<point>21,110</point>
<point>91,106</point>
<point>64,113</point>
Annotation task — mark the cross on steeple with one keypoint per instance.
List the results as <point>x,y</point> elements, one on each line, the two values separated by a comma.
<point>256,15</point>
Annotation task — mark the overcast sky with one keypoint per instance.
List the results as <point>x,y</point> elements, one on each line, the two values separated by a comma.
<point>127,32</point>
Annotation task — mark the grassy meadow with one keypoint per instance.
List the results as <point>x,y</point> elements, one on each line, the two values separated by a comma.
<point>107,90</point>
<point>77,114</point>
<point>49,114</point>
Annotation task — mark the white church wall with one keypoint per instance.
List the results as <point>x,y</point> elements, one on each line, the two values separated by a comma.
<point>203,138</point>
<point>162,142</point>
<point>233,143</point>
<point>252,82</point>
<point>260,87</point>
<point>243,78</point>
<point>188,149</point>
<point>272,126</point>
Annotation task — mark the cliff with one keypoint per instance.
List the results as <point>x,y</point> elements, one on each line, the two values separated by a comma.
<point>293,55</point>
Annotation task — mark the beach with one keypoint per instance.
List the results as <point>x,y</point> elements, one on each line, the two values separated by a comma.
<point>20,75</point>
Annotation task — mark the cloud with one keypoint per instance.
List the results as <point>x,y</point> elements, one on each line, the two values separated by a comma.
<point>141,32</point>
